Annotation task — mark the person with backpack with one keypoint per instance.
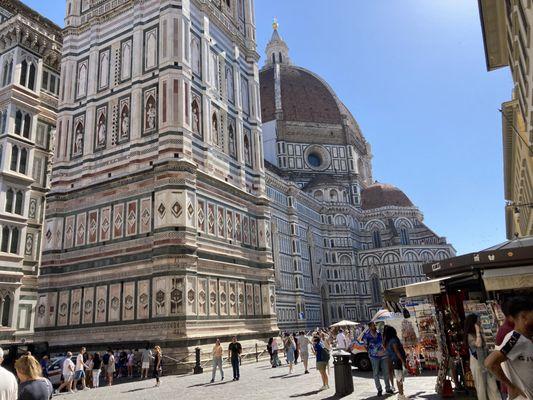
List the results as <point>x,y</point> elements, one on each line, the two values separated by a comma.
<point>322,360</point>
<point>397,356</point>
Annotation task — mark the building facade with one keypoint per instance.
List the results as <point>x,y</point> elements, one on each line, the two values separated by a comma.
<point>30,52</point>
<point>158,223</point>
<point>506,28</point>
<point>339,238</point>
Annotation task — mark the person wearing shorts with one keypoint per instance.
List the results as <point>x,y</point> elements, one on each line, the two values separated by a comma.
<point>79,372</point>
<point>110,367</point>
<point>146,357</point>
<point>396,354</point>
<point>322,361</point>
<point>68,374</point>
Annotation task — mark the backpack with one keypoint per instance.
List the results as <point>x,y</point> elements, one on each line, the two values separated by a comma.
<point>325,354</point>
<point>105,358</point>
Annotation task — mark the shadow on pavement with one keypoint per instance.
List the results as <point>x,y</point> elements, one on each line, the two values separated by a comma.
<point>306,394</point>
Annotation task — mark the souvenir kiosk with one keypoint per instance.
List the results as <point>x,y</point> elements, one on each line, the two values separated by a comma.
<point>471,283</point>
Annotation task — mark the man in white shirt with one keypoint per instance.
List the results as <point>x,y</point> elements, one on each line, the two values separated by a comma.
<point>341,340</point>
<point>303,345</point>
<point>8,382</point>
<point>146,357</point>
<point>512,362</point>
<point>79,371</point>
<point>68,374</point>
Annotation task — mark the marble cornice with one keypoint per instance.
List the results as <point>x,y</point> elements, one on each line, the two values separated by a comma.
<point>20,30</point>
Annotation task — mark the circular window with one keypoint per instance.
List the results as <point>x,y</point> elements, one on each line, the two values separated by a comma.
<point>314,160</point>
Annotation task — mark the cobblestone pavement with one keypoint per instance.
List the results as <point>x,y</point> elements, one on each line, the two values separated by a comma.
<point>258,382</point>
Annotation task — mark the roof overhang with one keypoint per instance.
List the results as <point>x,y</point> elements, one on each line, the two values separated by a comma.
<point>493,28</point>
<point>508,278</point>
<point>424,288</point>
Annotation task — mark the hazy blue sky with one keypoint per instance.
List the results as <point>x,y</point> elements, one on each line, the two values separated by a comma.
<point>413,74</point>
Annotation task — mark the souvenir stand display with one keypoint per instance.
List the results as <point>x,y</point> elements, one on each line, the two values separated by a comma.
<point>428,351</point>
<point>490,318</point>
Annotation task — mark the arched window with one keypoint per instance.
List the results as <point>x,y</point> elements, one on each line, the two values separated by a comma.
<point>280,58</point>
<point>27,125</point>
<point>14,158</point>
<point>23,72</point>
<point>5,239</point>
<point>31,77</point>
<point>14,241</point>
<point>376,290</point>
<point>273,58</point>
<point>319,195</point>
<point>6,311</point>
<point>404,236</point>
<point>23,161</point>
<point>333,195</point>
<point>376,239</point>
<point>18,122</point>
<point>3,121</point>
<point>10,195</point>
<point>8,69</point>
<point>18,202</point>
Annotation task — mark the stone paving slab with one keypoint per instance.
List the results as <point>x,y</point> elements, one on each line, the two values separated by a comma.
<point>258,382</point>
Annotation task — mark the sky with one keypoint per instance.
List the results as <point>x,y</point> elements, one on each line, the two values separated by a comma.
<point>413,74</point>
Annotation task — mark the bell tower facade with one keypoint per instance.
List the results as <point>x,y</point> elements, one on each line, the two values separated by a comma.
<point>158,226</point>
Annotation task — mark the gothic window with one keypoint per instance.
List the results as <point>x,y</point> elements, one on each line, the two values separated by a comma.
<point>23,161</point>
<point>10,194</point>
<point>18,122</point>
<point>3,121</point>
<point>376,239</point>
<point>6,310</point>
<point>27,126</point>
<point>280,58</point>
<point>5,239</point>
<point>79,133</point>
<point>245,95</point>
<point>31,77</point>
<point>273,58</point>
<point>103,69</point>
<point>13,249</point>
<point>232,138</point>
<point>81,88</point>
<point>230,87</point>
<point>23,72</point>
<point>125,58</point>
<point>215,129</point>
<point>404,236</point>
<point>248,153</point>
<point>19,197</point>
<point>196,115</point>
<point>333,195</point>
<point>376,290</point>
<point>7,71</point>
<point>196,59</point>
<point>150,49</point>
<point>14,158</point>
<point>150,111</point>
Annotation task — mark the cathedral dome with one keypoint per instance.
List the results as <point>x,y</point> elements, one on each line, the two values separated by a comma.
<point>304,97</point>
<point>383,195</point>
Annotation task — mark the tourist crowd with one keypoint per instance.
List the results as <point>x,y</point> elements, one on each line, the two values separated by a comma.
<point>511,364</point>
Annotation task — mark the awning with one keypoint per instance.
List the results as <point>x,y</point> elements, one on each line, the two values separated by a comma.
<point>424,288</point>
<point>508,278</point>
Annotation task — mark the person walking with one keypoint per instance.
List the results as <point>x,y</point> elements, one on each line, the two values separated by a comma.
<point>234,352</point>
<point>341,340</point>
<point>68,374</point>
<point>158,366</point>
<point>45,363</point>
<point>291,349</point>
<point>8,382</point>
<point>296,351</point>
<point>96,369</point>
<point>378,357</point>
<point>303,347</point>
<point>275,353</point>
<point>511,363</point>
<point>486,387</point>
<point>146,357</point>
<point>33,386</point>
<point>397,357</point>
<point>322,360</point>
<point>217,360</point>
<point>130,363</point>
<point>79,370</point>
<point>110,369</point>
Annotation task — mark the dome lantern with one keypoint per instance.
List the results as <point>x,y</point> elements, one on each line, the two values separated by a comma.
<point>277,51</point>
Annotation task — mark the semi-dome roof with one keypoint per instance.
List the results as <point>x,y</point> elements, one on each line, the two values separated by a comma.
<point>383,195</point>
